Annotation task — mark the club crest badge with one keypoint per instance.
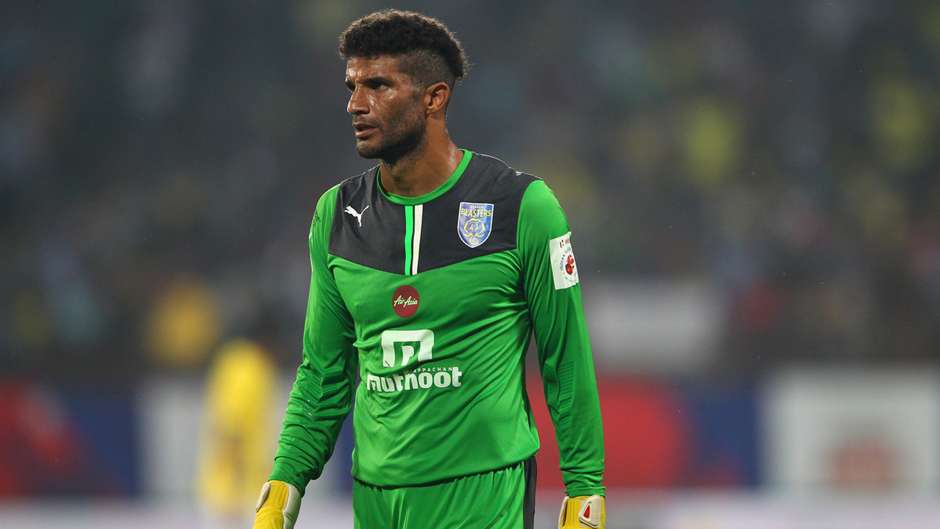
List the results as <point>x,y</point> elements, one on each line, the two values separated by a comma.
<point>474,223</point>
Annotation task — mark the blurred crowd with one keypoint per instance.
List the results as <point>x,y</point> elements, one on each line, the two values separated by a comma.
<point>160,160</point>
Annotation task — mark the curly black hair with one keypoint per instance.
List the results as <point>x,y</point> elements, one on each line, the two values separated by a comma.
<point>430,51</point>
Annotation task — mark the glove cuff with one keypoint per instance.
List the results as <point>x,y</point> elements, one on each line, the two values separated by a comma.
<point>582,511</point>
<point>280,497</point>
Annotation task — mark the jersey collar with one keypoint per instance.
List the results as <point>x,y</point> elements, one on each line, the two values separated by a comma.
<point>427,197</point>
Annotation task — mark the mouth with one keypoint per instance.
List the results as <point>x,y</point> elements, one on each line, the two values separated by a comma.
<point>363,130</point>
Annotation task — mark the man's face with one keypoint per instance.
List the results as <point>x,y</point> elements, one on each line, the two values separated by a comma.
<point>386,107</point>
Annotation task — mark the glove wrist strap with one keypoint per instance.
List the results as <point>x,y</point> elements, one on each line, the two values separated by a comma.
<point>280,496</point>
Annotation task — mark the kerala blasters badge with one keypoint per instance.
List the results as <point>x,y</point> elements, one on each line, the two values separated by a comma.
<point>474,223</point>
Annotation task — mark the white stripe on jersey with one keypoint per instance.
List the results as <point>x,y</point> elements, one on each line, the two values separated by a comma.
<point>416,239</point>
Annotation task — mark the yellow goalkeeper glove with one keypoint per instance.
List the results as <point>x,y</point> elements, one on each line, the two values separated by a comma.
<point>582,512</point>
<point>278,506</point>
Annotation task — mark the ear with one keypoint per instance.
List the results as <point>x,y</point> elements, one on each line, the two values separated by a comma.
<point>436,97</point>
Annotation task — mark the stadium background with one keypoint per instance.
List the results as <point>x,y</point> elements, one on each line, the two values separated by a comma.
<point>755,194</point>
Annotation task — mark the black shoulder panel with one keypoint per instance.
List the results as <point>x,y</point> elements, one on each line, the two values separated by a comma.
<point>371,231</point>
<point>368,229</point>
<point>487,180</point>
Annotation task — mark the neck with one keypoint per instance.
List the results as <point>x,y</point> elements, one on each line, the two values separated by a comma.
<point>423,169</point>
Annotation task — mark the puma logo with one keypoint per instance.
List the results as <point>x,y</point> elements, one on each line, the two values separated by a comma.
<point>354,213</point>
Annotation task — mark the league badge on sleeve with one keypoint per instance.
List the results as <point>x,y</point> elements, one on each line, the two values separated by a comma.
<point>474,223</point>
<point>564,267</point>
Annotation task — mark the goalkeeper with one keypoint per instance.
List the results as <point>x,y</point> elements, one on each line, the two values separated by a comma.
<point>430,271</point>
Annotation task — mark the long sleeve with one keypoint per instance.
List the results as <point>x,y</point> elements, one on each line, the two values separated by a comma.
<point>561,335</point>
<point>323,389</point>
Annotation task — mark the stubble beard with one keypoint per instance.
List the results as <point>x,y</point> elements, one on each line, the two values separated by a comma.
<point>400,142</point>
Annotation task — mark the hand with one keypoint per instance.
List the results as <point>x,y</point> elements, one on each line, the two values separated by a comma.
<point>277,506</point>
<point>582,512</point>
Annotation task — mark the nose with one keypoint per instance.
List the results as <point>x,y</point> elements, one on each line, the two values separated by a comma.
<point>357,103</point>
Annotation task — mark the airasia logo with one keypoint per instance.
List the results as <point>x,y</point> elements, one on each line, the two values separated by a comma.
<point>405,301</point>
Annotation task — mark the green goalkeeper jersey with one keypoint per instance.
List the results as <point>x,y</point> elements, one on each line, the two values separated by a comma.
<point>432,300</point>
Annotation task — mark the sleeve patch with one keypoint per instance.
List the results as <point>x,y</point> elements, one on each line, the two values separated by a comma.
<point>564,268</point>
